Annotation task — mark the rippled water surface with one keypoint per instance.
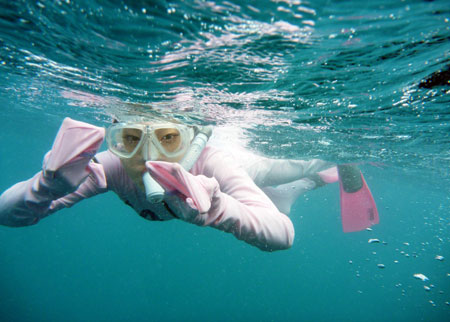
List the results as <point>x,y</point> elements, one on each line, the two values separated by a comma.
<point>346,81</point>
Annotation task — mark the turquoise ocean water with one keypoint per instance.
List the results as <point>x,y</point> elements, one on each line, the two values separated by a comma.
<point>345,81</point>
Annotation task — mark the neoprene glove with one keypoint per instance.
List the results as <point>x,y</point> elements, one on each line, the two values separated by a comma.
<point>187,195</point>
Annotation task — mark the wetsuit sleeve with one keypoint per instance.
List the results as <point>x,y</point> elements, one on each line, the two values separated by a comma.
<point>239,207</point>
<point>29,201</point>
<point>68,175</point>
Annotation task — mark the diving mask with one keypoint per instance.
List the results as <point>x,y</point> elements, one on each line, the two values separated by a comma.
<point>155,140</point>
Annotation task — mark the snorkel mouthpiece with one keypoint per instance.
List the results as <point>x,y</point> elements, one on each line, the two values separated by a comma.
<point>154,193</point>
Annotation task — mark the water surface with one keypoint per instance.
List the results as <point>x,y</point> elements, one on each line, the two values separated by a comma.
<point>338,80</point>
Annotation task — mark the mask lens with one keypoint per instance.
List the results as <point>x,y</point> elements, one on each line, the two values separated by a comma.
<point>169,138</point>
<point>131,138</point>
<point>124,141</point>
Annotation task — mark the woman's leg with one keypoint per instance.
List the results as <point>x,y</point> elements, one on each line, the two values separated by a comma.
<point>284,196</point>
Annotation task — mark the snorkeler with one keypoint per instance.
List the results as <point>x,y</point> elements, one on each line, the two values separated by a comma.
<point>165,170</point>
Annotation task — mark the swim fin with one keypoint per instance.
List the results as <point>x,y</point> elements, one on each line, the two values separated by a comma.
<point>358,209</point>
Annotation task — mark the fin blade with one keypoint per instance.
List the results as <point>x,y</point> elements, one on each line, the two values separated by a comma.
<point>358,209</point>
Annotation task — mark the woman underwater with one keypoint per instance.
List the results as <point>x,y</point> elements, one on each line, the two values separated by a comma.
<point>239,192</point>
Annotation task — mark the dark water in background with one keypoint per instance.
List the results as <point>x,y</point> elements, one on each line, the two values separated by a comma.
<point>337,80</point>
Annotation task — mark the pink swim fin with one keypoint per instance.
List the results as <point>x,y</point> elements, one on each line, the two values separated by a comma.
<point>358,209</point>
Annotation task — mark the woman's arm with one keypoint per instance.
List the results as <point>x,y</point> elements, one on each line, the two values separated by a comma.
<point>220,194</point>
<point>68,175</point>
<point>244,209</point>
<point>27,202</point>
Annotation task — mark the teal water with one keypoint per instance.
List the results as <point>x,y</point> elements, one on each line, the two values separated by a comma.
<point>338,80</point>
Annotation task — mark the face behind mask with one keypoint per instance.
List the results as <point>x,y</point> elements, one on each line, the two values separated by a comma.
<point>153,140</point>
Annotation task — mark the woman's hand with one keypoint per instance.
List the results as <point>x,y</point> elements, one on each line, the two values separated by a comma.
<point>68,164</point>
<point>187,195</point>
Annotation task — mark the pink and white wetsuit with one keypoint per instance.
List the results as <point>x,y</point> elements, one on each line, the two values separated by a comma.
<point>249,201</point>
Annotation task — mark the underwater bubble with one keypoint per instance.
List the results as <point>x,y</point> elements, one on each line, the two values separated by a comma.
<point>369,229</point>
<point>439,258</point>
<point>421,277</point>
<point>426,288</point>
<point>381,266</point>
<point>373,240</point>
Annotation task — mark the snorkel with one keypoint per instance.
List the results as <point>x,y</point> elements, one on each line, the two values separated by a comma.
<point>154,193</point>
<point>196,147</point>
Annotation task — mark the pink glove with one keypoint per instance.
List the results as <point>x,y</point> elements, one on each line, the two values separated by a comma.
<point>65,167</point>
<point>186,194</point>
<point>68,164</point>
